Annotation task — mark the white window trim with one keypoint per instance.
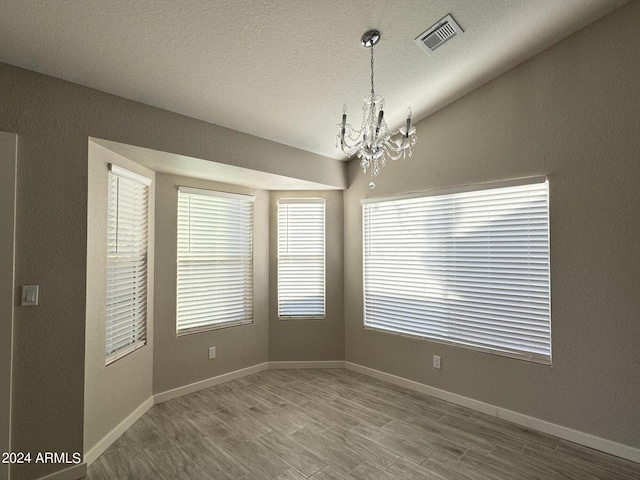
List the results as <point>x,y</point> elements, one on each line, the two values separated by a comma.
<point>141,179</point>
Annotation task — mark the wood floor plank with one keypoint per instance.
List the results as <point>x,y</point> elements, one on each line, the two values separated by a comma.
<point>366,449</point>
<point>308,417</point>
<point>541,469</point>
<point>328,415</point>
<point>311,391</point>
<point>497,468</point>
<point>174,463</point>
<point>368,471</point>
<point>255,457</point>
<point>454,470</point>
<point>333,454</point>
<point>298,375</point>
<point>329,473</point>
<point>290,475</point>
<point>100,470</point>
<point>292,453</point>
<point>212,426</point>
<point>217,463</point>
<point>454,433</point>
<point>541,454</point>
<point>242,422</point>
<point>263,396</point>
<point>277,419</point>
<point>288,394</point>
<point>442,445</point>
<point>232,397</point>
<point>493,436</point>
<point>390,408</point>
<point>525,434</point>
<point>368,415</point>
<point>407,470</point>
<point>146,432</point>
<point>131,464</point>
<point>411,449</point>
<point>177,427</point>
<point>617,465</point>
<point>336,388</point>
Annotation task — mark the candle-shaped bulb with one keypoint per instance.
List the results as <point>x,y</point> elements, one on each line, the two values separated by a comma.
<point>344,108</point>
<point>408,127</point>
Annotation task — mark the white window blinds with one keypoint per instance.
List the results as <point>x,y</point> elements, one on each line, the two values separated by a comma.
<point>301,258</point>
<point>468,268</point>
<point>127,241</point>
<point>215,260</point>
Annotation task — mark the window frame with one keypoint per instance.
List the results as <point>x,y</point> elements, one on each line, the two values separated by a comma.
<point>245,262</point>
<point>293,202</point>
<point>138,328</point>
<point>533,356</point>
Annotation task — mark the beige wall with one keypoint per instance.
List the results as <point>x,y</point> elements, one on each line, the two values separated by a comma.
<point>296,340</point>
<point>53,120</point>
<point>183,360</point>
<point>572,113</point>
<point>113,391</point>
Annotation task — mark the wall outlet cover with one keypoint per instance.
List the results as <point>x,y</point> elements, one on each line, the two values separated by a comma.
<point>436,361</point>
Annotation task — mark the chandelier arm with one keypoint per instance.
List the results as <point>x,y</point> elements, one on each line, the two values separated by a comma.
<point>349,148</point>
<point>398,147</point>
<point>393,156</point>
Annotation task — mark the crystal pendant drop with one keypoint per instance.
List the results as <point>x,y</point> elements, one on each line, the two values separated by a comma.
<point>372,185</point>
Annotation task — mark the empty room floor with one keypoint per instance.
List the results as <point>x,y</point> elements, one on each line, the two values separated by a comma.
<point>338,424</point>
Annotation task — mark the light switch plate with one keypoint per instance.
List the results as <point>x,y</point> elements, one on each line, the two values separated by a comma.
<point>29,296</point>
<point>212,353</point>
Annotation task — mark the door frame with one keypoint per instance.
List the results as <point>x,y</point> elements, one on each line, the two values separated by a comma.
<point>8,164</point>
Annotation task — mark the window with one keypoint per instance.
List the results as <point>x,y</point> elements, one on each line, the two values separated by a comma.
<point>215,260</point>
<point>469,268</point>
<point>301,264</point>
<point>127,232</point>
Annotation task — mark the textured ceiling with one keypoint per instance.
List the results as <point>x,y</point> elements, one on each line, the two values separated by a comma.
<point>281,69</point>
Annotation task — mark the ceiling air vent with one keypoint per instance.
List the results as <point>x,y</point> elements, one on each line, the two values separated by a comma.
<point>439,34</point>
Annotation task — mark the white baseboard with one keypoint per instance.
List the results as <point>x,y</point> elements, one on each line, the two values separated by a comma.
<point>210,382</point>
<point>309,364</point>
<point>586,439</point>
<point>74,472</point>
<point>100,447</point>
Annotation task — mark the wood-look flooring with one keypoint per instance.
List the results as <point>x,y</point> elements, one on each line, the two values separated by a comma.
<point>338,424</point>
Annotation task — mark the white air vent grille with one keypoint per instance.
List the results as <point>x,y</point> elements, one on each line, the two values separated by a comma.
<point>439,34</point>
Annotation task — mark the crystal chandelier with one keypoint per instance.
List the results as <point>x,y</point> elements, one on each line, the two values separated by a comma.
<point>373,142</point>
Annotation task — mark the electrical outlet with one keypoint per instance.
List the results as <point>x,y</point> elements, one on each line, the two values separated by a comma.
<point>212,352</point>
<point>436,361</point>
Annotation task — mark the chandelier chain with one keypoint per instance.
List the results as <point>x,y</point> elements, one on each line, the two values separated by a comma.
<point>372,90</point>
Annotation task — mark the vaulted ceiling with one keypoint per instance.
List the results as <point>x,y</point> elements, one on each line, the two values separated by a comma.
<point>282,69</point>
